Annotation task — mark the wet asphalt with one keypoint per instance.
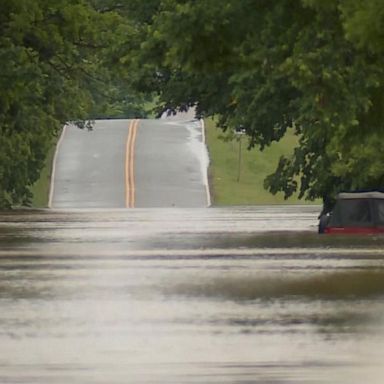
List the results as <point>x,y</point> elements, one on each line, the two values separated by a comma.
<point>166,165</point>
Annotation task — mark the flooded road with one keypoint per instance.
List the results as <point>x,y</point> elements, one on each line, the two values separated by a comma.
<point>235,295</point>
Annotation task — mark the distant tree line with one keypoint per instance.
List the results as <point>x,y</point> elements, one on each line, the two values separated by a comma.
<point>312,66</point>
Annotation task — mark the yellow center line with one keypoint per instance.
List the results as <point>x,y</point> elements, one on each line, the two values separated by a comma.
<point>129,165</point>
<point>132,162</point>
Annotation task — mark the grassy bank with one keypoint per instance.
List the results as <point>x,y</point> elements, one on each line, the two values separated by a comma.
<point>234,185</point>
<point>40,189</point>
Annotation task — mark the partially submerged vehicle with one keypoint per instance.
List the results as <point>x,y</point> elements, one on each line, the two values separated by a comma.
<point>355,213</point>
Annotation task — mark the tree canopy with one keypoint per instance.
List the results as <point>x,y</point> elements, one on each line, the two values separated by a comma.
<point>312,66</point>
<point>56,67</point>
<point>315,66</point>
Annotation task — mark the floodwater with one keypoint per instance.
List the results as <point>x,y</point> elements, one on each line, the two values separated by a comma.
<point>237,295</point>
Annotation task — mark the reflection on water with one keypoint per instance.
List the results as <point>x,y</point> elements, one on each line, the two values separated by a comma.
<point>187,296</point>
<point>339,285</point>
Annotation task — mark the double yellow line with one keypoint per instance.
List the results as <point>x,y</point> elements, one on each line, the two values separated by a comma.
<point>129,165</point>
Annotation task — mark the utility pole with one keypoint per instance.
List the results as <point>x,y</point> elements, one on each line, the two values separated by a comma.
<point>239,131</point>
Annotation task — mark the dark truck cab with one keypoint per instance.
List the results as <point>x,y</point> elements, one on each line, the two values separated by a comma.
<point>355,213</point>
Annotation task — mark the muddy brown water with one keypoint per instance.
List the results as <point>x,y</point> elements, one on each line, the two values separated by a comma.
<point>236,295</point>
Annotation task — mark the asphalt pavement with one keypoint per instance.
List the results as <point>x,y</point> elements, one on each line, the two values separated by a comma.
<point>132,163</point>
<point>171,164</point>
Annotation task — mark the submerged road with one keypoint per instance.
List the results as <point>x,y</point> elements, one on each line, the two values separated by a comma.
<point>132,163</point>
<point>207,296</point>
<point>172,292</point>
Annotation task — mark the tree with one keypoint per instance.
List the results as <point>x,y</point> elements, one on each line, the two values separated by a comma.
<point>314,66</point>
<point>363,23</point>
<point>270,66</point>
<point>54,63</point>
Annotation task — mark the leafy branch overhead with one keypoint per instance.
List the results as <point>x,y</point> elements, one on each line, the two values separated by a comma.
<point>55,68</point>
<point>312,65</point>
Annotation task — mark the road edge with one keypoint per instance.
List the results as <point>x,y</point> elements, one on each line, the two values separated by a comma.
<point>53,173</point>
<point>207,188</point>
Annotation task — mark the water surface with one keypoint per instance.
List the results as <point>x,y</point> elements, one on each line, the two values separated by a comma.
<point>237,295</point>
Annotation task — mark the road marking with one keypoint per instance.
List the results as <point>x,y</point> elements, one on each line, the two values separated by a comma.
<point>129,165</point>
<point>53,172</point>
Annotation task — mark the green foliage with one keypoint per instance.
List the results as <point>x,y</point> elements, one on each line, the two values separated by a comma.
<point>314,66</point>
<point>363,22</point>
<point>55,68</point>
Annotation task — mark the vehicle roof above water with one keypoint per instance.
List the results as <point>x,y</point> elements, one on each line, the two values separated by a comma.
<point>360,195</point>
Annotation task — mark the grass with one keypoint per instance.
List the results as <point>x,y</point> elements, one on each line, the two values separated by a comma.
<point>234,185</point>
<point>40,189</point>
